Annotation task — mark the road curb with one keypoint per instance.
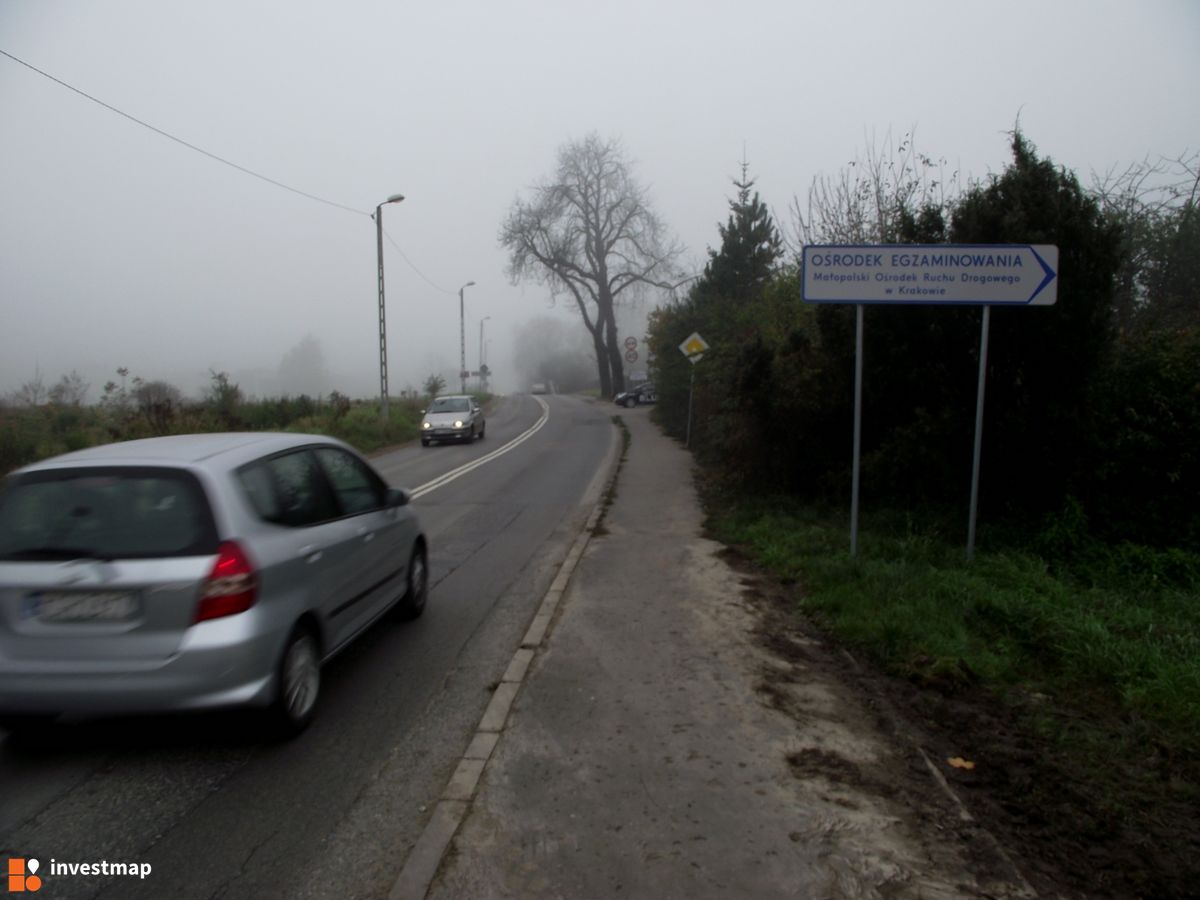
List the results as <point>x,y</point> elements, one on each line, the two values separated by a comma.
<point>425,858</point>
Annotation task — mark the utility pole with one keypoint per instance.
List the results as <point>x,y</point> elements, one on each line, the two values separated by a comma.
<point>383,376</point>
<point>462,339</point>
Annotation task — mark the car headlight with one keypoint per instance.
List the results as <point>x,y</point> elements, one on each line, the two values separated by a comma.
<point>458,423</point>
<point>426,425</point>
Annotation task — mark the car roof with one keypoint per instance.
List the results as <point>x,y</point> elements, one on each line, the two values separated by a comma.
<point>227,449</point>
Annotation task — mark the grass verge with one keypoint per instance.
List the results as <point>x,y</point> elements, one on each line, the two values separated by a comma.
<point>1097,663</point>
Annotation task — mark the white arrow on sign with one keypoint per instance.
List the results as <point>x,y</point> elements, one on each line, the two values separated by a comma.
<point>988,274</point>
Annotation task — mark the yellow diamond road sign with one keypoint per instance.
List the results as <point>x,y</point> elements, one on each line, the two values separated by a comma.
<point>693,348</point>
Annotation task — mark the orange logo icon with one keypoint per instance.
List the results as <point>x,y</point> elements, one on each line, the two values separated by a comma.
<point>22,876</point>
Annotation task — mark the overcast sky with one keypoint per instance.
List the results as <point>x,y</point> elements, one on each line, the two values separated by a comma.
<point>119,247</point>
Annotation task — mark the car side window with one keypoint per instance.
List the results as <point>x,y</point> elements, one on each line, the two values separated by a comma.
<point>289,490</point>
<point>259,488</point>
<point>358,489</point>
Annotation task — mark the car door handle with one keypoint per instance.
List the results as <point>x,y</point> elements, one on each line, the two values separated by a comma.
<point>366,534</point>
<point>310,552</point>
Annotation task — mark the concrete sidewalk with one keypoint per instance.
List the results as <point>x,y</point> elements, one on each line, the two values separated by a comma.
<point>641,758</point>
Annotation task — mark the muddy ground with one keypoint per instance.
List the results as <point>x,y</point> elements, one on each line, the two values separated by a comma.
<point>1071,834</point>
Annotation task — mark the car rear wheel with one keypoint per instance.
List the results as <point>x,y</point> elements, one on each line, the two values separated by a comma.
<point>299,684</point>
<point>412,604</point>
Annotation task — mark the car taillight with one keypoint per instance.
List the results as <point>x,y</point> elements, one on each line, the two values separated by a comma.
<point>231,586</point>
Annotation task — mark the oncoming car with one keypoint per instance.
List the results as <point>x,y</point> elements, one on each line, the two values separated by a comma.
<point>196,572</point>
<point>456,417</point>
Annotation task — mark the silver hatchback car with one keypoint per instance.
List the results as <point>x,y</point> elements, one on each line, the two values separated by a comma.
<point>196,572</point>
<point>453,418</point>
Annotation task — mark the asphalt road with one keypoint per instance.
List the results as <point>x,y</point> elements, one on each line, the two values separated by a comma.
<point>217,811</point>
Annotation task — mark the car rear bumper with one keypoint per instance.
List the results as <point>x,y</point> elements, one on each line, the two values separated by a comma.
<point>207,672</point>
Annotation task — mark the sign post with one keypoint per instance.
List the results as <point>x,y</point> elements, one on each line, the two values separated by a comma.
<point>693,348</point>
<point>858,367</point>
<point>984,275</point>
<point>983,351</point>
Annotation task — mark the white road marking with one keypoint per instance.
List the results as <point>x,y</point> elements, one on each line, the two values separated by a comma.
<point>442,480</point>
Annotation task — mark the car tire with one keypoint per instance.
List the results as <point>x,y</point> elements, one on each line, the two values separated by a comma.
<point>299,684</point>
<point>630,402</point>
<point>482,430</point>
<point>416,592</point>
<point>424,442</point>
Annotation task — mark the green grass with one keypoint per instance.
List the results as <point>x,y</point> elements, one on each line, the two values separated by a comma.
<point>362,427</point>
<point>1115,633</point>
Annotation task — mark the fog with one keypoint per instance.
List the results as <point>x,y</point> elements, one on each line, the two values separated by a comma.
<point>120,247</point>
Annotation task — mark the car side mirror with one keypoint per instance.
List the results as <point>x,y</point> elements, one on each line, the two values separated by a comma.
<point>398,497</point>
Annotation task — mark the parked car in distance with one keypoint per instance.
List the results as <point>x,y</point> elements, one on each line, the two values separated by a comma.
<point>456,417</point>
<point>643,393</point>
<point>538,388</point>
<point>195,572</point>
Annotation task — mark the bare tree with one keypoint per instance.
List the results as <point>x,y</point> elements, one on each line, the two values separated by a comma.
<point>866,202</point>
<point>434,385</point>
<point>158,403</point>
<point>589,233</point>
<point>71,390</point>
<point>32,392</point>
<point>1155,205</point>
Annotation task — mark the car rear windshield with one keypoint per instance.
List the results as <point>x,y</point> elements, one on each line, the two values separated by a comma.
<point>112,512</point>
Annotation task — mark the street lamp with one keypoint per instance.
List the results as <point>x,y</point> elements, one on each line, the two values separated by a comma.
<point>383,378</point>
<point>481,321</point>
<point>462,338</point>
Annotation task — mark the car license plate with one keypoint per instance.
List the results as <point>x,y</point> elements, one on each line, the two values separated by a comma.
<point>85,606</point>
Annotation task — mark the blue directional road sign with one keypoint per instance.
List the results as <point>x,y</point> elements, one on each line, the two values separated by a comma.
<point>981,274</point>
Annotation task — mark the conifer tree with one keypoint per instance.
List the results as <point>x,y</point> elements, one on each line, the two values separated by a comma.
<point>750,248</point>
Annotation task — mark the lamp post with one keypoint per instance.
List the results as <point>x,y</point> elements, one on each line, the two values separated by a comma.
<point>462,339</point>
<point>481,321</point>
<point>383,378</point>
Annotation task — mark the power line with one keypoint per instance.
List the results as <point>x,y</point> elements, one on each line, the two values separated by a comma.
<point>414,268</point>
<point>224,161</point>
<point>184,143</point>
